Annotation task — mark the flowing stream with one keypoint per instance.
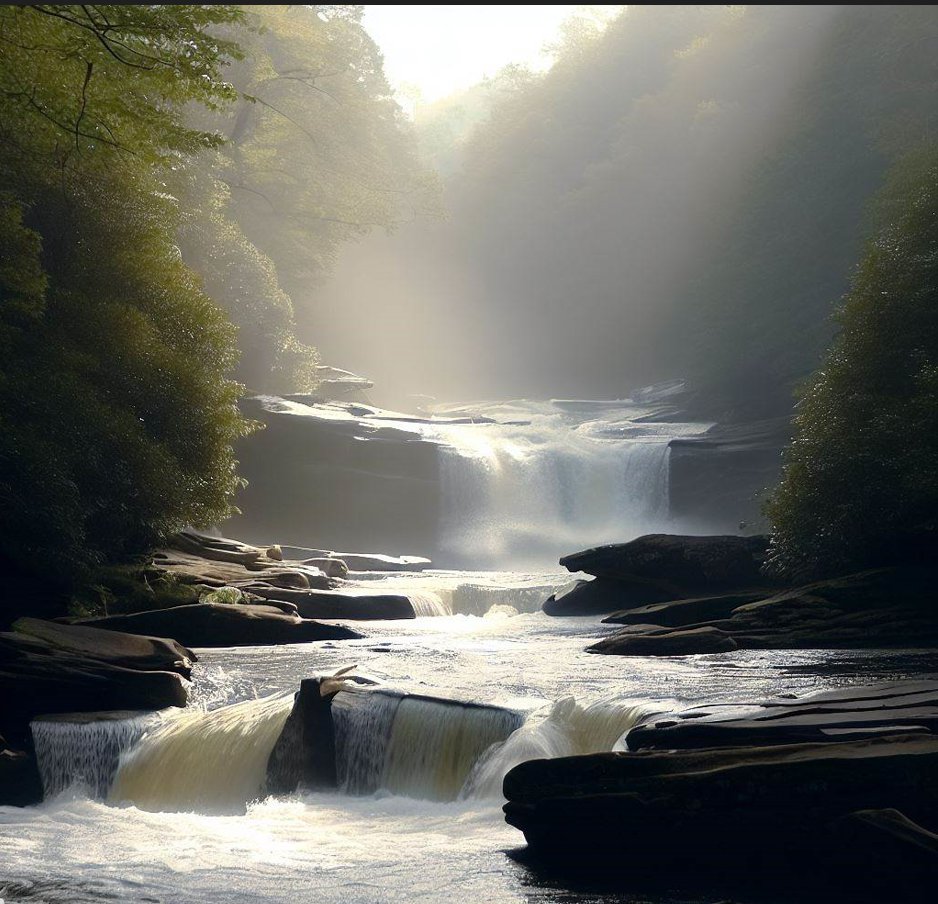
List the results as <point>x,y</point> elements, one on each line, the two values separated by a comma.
<point>417,817</point>
<point>173,807</point>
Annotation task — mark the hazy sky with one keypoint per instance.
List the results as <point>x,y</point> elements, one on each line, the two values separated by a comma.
<point>442,49</point>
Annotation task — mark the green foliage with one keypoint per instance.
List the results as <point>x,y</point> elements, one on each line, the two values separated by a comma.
<point>244,280</point>
<point>116,411</point>
<point>124,589</point>
<point>317,152</point>
<point>862,474</point>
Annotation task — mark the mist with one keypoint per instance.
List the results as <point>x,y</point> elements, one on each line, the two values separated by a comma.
<point>599,219</point>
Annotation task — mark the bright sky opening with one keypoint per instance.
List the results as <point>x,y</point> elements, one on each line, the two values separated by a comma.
<point>443,49</point>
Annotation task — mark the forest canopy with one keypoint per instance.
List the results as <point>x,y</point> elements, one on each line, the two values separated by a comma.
<point>163,176</point>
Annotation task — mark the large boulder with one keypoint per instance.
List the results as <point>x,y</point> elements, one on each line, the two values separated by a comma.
<point>652,641</point>
<point>677,564</point>
<point>224,625</point>
<point>778,818</point>
<point>659,568</point>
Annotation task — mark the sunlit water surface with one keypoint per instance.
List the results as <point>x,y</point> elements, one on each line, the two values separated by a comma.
<point>386,847</point>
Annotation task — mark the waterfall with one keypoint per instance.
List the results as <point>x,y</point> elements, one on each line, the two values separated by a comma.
<point>413,746</point>
<point>203,761</point>
<point>566,729</point>
<point>84,751</point>
<point>516,492</point>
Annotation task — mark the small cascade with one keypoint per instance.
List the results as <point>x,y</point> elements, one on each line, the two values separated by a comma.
<point>84,751</point>
<point>413,746</point>
<point>203,761</point>
<point>566,729</point>
<point>481,599</point>
<point>426,602</point>
<point>362,725</point>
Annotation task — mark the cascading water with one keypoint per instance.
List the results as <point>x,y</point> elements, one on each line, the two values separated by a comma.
<point>85,752</point>
<point>527,491</point>
<point>413,746</point>
<point>205,761</point>
<point>426,602</point>
<point>566,729</point>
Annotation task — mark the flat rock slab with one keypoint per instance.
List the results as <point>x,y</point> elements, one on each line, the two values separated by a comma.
<point>225,625</point>
<point>191,568</point>
<point>830,716</point>
<point>359,605</point>
<point>36,679</point>
<point>678,613</point>
<point>134,651</point>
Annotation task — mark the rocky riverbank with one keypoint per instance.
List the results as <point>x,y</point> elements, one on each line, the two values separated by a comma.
<point>200,591</point>
<point>680,595</point>
<point>827,796</point>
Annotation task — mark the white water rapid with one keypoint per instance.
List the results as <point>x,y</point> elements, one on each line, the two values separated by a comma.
<point>187,819</point>
<point>414,746</point>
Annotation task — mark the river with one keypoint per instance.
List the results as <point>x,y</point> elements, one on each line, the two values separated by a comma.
<point>172,808</point>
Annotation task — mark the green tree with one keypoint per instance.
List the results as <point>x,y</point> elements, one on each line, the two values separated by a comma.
<point>861,478</point>
<point>317,152</point>
<point>116,411</point>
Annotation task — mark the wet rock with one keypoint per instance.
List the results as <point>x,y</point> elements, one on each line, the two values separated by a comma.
<point>830,716</point>
<point>358,606</point>
<point>677,564</point>
<point>882,608</point>
<point>786,815</point>
<point>221,625</point>
<point>354,604</point>
<point>678,613</point>
<point>132,651</point>
<point>601,595</point>
<point>661,642</point>
<point>20,784</point>
<point>304,754</point>
<point>49,668</point>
